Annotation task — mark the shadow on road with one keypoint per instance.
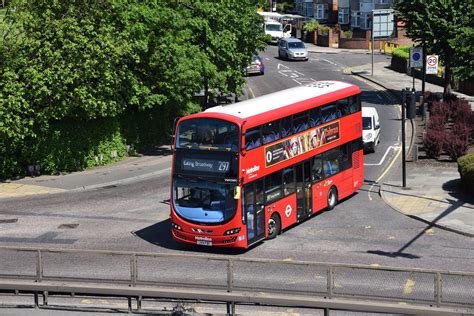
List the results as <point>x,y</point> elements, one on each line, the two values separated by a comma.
<point>159,234</point>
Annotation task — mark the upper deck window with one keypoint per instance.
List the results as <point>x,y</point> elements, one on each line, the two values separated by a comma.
<point>208,133</point>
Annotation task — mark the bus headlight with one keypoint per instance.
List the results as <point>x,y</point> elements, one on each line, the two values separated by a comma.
<point>176,226</point>
<point>368,136</point>
<point>232,231</point>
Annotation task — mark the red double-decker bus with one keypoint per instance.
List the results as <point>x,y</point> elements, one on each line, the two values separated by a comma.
<point>244,172</point>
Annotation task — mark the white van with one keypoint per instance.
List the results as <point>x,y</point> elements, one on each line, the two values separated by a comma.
<point>370,128</point>
<point>276,30</point>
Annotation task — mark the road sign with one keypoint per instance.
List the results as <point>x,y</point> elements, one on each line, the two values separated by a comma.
<point>416,60</point>
<point>383,23</point>
<point>432,64</point>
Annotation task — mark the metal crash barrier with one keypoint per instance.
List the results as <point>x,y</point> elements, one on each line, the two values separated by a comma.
<point>136,276</point>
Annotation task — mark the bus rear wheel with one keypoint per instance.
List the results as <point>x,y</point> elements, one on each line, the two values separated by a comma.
<point>332,198</point>
<point>274,226</point>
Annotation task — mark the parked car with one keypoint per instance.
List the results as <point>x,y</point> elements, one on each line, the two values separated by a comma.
<point>292,48</point>
<point>370,128</point>
<point>256,67</point>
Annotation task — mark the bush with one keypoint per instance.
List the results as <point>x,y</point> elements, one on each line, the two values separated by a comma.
<point>433,143</point>
<point>466,171</point>
<point>455,146</point>
<point>76,145</point>
<point>430,97</point>
<point>450,97</point>
<point>437,122</point>
<point>461,130</point>
<point>348,33</point>
<point>323,30</point>
<point>311,25</point>
<point>402,52</point>
<point>461,111</point>
<point>440,108</point>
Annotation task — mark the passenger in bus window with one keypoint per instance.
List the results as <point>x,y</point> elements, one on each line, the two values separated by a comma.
<point>317,171</point>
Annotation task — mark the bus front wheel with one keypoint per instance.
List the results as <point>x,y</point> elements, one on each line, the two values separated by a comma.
<point>274,226</point>
<point>332,198</point>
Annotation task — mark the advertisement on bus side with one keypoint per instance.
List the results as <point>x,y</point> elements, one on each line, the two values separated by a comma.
<point>301,143</point>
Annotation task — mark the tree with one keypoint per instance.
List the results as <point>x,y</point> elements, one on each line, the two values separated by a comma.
<point>92,59</point>
<point>436,25</point>
<point>229,33</point>
<point>285,5</point>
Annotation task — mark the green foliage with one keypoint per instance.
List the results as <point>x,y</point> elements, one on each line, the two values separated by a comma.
<point>311,25</point>
<point>348,33</point>
<point>101,60</point>
<point>466,171</point>
<point>71,145</point>
<point>463,59</point>
<point>444,27</point>
<point>285,5</point>
<point>323,29</point>
<point>402,52</point>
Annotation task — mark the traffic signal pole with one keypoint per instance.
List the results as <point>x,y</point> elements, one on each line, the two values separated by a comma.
<point>404,172</point>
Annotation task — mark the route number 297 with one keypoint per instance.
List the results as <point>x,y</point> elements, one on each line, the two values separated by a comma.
<point>224,165</point>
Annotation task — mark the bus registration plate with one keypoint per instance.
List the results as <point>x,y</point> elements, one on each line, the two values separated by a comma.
<point>204,242</point>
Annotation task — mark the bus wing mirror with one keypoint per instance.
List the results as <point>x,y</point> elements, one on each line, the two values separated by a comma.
<point>236,193</point>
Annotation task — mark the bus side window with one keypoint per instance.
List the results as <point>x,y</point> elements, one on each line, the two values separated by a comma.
<point>314,117</point>
<point>288,181</point>
<point>344,106</point>
<point>346,156</point>
<point>331,162</point>
<point>285,127</point>
<point>252,138</point>
<point>273,186</point>
<point>317,170</point>
<point>270,132</point>
<point>356,104</point>
<point>328,113</point>
<point>300,122</point>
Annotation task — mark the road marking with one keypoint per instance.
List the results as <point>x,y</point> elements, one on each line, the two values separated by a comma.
<point>408,288</point>
<point>430,232</point>
<point>251,92</point>
<point>282,66</point>
<point>384,156</point>
<point>398,152</point>
<point>331,62</point>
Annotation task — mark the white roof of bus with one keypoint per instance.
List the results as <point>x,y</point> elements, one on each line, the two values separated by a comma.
<point>279,99</point>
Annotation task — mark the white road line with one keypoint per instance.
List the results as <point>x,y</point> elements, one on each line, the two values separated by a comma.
<point>282,66</point>
<point>331,62</point>
<point>251,93</point>
<point>384,156</point>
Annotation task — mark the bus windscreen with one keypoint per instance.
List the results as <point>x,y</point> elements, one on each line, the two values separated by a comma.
<point>203,201</point>
<point>208,133</point>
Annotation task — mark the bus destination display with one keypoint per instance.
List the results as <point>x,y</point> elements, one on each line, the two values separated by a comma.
<point>205,165</point>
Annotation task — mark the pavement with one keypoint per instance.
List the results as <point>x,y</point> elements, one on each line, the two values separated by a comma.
<point>432,194</point>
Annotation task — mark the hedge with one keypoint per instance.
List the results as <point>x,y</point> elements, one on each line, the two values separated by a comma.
<point>402,52</point>
<point>72,145</point>
<point>466,170</point>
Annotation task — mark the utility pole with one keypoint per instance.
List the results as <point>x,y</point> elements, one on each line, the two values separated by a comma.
<point>404,172</point>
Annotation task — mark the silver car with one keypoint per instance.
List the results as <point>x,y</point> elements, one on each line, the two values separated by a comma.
<point>292,48</point>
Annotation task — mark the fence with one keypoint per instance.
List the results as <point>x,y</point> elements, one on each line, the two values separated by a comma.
<point>235,280</point>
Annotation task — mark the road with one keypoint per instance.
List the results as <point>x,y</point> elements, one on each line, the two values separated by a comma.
<point>134,216</point>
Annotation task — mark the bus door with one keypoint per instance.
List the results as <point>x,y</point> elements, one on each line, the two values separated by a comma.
<point>254,211</point>
<point>317,176</point>
<point>303,190</point>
